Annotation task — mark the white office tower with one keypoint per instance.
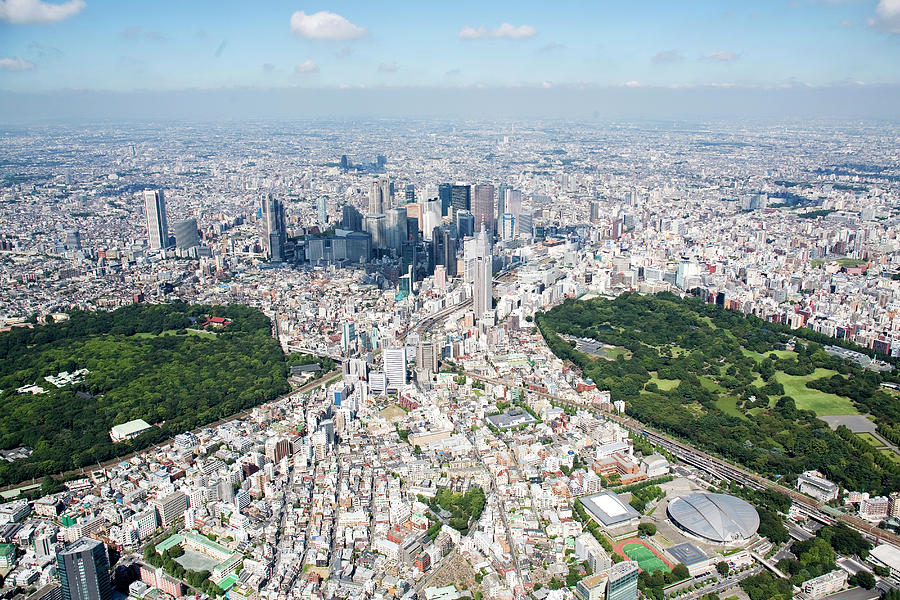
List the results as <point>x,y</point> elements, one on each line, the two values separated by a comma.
<point>157,228</point>
<point>474,248</point>
<point>431,217</point>
<point>395,367</point>
<point>483,286</point>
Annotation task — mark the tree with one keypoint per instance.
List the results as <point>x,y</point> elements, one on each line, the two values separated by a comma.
<point>679,572</point>
<point>647,529</point>
<point>863,579</point>
<point>723,568</point>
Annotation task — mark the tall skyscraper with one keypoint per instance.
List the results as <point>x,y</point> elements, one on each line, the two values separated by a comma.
<point>380,192</point>
<point>508,226</point>
<point>186,235</point>
<point>322,209</point>
<point>461,197</point>
<point>395,224</point>
<point>483,286</point>
<point>375,225</point>
<point>465,223</point>
<point>501,199</point>
<point>395,366</point>
<point>274,233</point>
<point>483,207</point>
<point>443,244</point>
<point>445,195</point>
<point>410,192</point>
<point>83,569</point>
<point>514,202</point>
<point>352,219</point>
<point>157,228</point>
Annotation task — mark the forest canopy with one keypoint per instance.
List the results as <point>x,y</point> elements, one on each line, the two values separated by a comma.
<point>150,362</point>
<point>714,377</point>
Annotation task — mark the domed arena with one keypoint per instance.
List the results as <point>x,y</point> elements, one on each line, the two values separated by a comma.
<point>717,518</point>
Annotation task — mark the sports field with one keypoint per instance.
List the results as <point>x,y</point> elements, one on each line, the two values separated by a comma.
<point>648,559</point>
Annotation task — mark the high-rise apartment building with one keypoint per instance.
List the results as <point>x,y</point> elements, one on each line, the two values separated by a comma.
<point>170,508</point>
<point>157,228</point>
<point>83,569</point>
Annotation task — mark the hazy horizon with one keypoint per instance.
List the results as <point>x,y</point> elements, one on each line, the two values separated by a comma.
<point>866,102</point>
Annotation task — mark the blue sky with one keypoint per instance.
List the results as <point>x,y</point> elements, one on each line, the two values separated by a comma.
<point>160,45</point>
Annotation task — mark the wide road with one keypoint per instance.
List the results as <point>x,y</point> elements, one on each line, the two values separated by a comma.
<point>716,466</point>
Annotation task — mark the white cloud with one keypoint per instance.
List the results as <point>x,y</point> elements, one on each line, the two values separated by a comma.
<point>391,67</point>
<point>15,64</point>
<point>723,56</point>
<point>667,56</point>
<point>505,30</point>
<point>36,11</point>
<point>551,47</point>
<point>546,84</point>
<point>325,25</point>
<point>307,66</point>
<point>632,84</point>
<point>888,16</point>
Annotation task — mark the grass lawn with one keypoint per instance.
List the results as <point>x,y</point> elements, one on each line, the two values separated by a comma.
<point>708,384</point>
<point>809,399</point>
<point>759,357</point>
<point>663,384</point>
<point>850,262</point>
<point>728,405</point>
<point>871,440</point>
<point>891,455</point>
<point>613,352</point>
